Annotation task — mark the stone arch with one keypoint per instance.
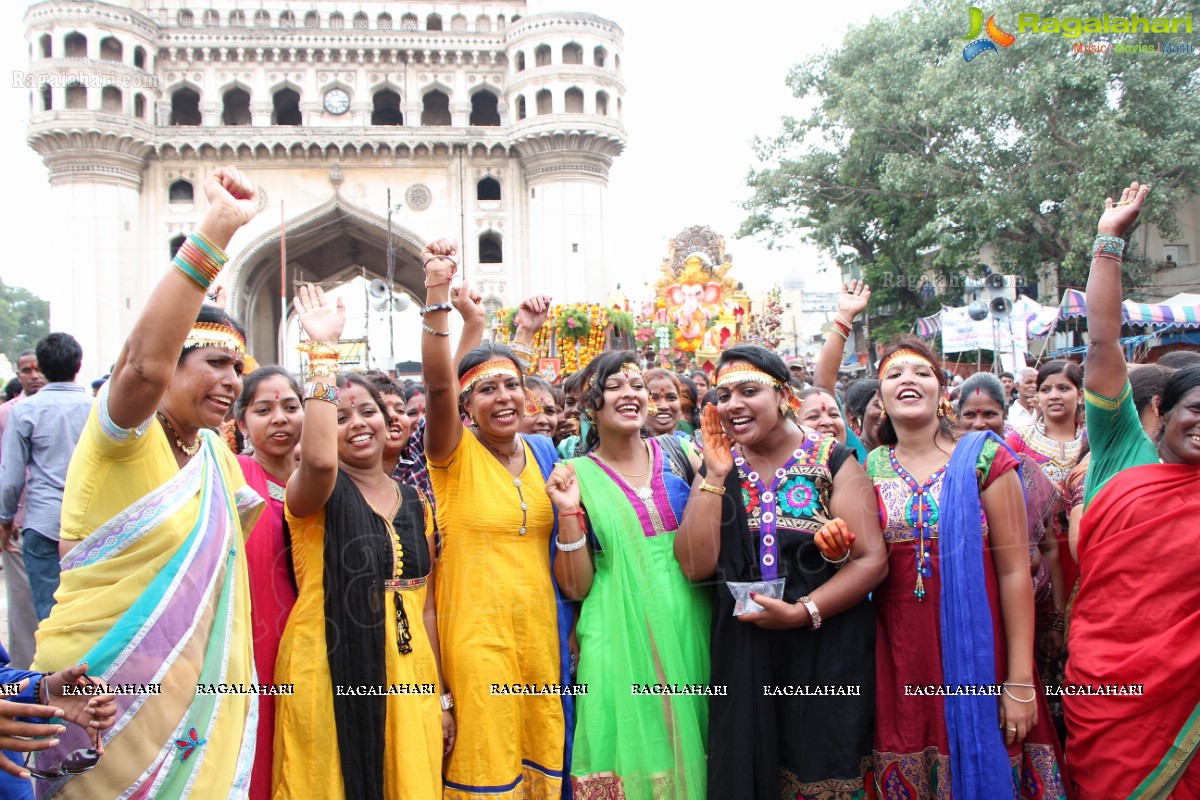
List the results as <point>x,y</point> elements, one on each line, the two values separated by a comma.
<point>46,45</point>
<point>458,24</point>
<point>332,244</point>
<point>181,191</point>
<point>75,45</point>
<point>185,104</point>
<point>235,104</point>
<point>111,100</point>
<point>488,188</point>
<point>111,49</point>
<point>139,57</point>
<point>483,24</point>
<point>573,100</point>
<point>385,105</point>
<point>485,108</point>
<point>545,102</point>
<point>491,247</point>
<point>572,53</point>
<point>599,56</point>
<point>433,22</point>
<point>541,55</point>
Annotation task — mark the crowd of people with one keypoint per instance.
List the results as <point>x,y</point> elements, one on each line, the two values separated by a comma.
<point>742,582</point>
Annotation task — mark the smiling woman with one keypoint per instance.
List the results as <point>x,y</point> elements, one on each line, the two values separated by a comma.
<point>154,495</point>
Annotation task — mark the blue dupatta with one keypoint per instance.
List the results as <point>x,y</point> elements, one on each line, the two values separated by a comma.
<point>979,766</point>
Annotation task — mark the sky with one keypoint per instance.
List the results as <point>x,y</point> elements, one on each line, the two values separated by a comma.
<point>700,86</point>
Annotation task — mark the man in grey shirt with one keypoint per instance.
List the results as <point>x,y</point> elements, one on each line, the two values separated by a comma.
<point>38,442</point>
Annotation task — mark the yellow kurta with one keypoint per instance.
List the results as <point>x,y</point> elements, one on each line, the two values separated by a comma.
<point>307,764</point>
<point>164,586</point>
<point>498,626</point>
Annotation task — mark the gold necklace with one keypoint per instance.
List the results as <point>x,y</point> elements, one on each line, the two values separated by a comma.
<point>644,493</point>
<point>187,450</point>
<point>507,459</point>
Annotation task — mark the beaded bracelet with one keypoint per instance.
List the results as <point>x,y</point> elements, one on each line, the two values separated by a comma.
<point>430,330</point>
<point>429,309</point>
<point>1106,246</point>
<point>451,259</point>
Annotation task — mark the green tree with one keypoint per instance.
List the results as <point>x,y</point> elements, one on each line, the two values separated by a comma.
<point>24,318</point>
<point>912,159</point>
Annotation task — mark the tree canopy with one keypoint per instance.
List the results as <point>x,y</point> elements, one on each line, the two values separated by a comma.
<point>24,318</point>
<point>912,160</point>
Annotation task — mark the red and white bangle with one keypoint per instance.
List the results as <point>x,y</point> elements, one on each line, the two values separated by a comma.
<point>813,611</point>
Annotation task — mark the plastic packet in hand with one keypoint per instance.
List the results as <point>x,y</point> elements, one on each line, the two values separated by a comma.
<point>742,604</point>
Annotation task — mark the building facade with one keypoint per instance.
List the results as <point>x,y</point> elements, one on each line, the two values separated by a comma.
<point>486,125</point>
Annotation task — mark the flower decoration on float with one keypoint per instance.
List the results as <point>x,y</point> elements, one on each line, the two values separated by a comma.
<point>574,323</point>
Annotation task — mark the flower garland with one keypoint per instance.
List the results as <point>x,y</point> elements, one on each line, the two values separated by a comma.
<point>575,323</point>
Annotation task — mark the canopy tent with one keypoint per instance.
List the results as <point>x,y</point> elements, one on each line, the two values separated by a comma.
<point>1186,315</point>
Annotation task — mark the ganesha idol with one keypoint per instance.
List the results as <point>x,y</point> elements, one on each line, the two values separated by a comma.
<point>697,297</point>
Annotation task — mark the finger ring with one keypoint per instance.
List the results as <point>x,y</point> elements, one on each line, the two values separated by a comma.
<point>1010,728</point>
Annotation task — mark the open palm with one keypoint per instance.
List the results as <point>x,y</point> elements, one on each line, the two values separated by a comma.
<point>1118,218</point>
<point>321,318</point>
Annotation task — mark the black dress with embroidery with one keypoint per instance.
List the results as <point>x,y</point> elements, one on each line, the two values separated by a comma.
<point>798,716</point>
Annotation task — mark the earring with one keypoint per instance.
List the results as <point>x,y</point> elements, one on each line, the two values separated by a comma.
<point>652,407</point>
<point>882,414</point>
<point>783,407</point>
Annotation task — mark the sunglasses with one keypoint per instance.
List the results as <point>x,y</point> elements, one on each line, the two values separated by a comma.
<point>76,762</point>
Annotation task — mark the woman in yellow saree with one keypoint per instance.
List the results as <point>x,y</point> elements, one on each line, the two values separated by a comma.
<point>154,593</point>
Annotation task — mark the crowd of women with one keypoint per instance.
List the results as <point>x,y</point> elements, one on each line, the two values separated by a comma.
<point>633,585</point>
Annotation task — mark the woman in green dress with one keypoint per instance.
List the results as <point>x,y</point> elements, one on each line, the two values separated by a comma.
<point>643,628</point>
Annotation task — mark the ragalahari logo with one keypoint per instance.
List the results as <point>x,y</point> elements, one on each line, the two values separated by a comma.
<point>994,35</point>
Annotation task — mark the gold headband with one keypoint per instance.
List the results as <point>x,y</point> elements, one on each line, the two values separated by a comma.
<point>629,369</point>
<point>741,373</point>
<point>214,334</point>
<point>488,369</point>
<point>903,356</point>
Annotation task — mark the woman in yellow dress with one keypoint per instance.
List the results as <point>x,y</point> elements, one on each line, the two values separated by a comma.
<point>504,641</point>
<point>361,644</point>
<point>154,594</point>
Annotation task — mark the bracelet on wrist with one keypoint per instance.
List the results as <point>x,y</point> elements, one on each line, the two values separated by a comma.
<point>813,612</point>
<point>1012,696</point>
<point>447,701</point>
<point>837,562</point>
<point>453,262</point>
<point>705,486</point>
<point>321,390</point>
<point>579,512</point>
<point>432,332</point>
<point>432,307</point>
<point>1106,246</point>
<point>570,547</point>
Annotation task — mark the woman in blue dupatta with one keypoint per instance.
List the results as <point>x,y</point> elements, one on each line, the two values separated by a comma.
<point>642,623</point>
<point>956,609</point>
<point>154,592</point>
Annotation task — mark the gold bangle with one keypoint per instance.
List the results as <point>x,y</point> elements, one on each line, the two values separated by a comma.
<point>318,350</point>
<point>705,486</point>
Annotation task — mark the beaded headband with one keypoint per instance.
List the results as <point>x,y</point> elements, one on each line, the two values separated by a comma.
<point>628,368</point>
<point>741,373</point>
<point>902,356</point>
<point>215,334</point>
<point>488,369</point>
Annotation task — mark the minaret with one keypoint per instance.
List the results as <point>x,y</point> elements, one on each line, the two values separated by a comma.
<point>565,93</point>
<point>93,97</point>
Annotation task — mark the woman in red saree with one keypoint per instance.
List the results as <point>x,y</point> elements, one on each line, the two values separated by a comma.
<point>1133,626</point>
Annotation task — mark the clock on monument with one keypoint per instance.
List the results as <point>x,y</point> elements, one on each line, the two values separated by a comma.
<point>337,101</point>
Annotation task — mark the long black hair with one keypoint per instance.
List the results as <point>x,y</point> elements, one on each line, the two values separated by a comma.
<point>1147,382</point>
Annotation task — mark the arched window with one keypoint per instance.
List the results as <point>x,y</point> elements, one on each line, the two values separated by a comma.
<point>186,19</point>
<point>46,42</point>
<point>47,97</point>
<point>516,17</point>
<point>139,106</point>
<point>181,191</point>
<point>500,24</point>
<point>433,22</point>
<point>483,24</point>
<point>360,22</point>
<point>336,21</point>
<point>185,107</point>
<point>573,101</point>
<point>520,61</point>
<point>286,104</point>
<point>312,20</point>
<point>572,54</point>
<point>287,20</point>
<point>487,189</point>
<point>602,103</point>
<point>618,108</point>
<point>236,109</point>
<point>598,56</point>
<point>545,103</point>
<point>237,19</point>
<point>521,106</point>
<point>111,49</point>
<point>211,18</point>
<point>409,22</point>
<point>541,56</point>
<point>617,62</point>
<point>435,108</point>
<point>384,22</point>
<point>458,24</point>
<point>387,108</point>
<point>75,45</point>
<point>262,19</point>
<point>110,100</point>
<point>485,110</point>
<point>176,243</point>
<point>76,96</point>
<point>139,57</point>
<point>491,251</point>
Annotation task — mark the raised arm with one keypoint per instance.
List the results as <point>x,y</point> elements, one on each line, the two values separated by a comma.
<point>531,316</point>
<point>443,427</point>
<point>698,541</point>
<point>1106,371</point>
<point>469,305</point>
<point>851,303</point>
<point>313,481</point>
<point>148,359</point>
